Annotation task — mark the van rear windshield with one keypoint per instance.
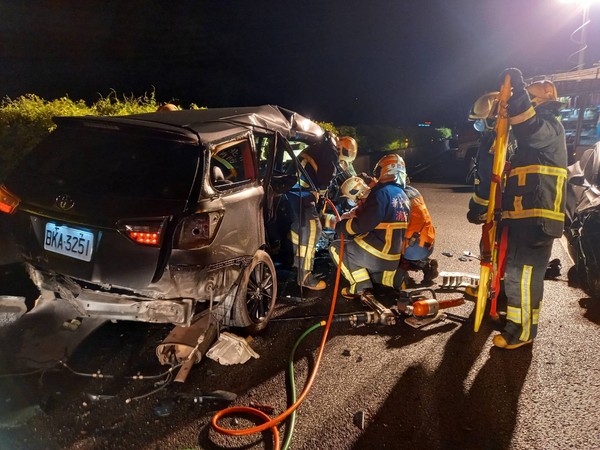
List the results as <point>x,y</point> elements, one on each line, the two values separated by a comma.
<point>98,161</point>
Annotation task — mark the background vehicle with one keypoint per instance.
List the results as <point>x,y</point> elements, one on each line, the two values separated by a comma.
<point>582,227</point>
<point>579,91</point>
<point>150,217</point>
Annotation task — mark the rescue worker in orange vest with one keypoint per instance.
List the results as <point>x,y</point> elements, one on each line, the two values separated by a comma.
<point>533,204</point>
<point>321,162</point>
<point>375,233</point>
<point>419,238</point>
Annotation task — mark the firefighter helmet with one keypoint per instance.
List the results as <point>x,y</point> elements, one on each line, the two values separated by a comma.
<point>354,189</point>
<point>347,148</point>
<point>542,92</point>
<point>485,107</point>
<point>391,168</point>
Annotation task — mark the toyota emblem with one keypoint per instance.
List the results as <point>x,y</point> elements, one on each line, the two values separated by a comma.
<point>65,202</point>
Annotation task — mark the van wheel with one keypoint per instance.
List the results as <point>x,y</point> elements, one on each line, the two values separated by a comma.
<point>256,295</point>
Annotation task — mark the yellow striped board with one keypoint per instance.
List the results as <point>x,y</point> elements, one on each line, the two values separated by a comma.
<point>500,146</point>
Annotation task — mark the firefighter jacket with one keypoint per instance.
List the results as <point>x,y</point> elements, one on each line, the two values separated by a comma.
<point>420,228</point>
<point>535,186</point>
<point>319,162</point>
<point>380,223</point>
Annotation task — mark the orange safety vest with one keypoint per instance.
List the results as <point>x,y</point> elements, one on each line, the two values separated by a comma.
<point>419,222</point>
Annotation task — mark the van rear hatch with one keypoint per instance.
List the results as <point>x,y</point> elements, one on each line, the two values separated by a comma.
<point>96,200</point>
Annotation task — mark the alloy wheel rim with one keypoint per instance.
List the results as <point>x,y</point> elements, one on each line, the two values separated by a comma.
<point>259,293</point>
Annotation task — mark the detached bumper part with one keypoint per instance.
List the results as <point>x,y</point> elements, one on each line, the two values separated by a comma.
<point>94,304</point>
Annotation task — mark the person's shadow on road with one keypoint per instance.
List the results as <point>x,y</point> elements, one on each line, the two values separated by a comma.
<point>469,402</point>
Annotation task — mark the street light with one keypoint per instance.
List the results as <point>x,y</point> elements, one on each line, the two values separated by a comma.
<point>582,41</point>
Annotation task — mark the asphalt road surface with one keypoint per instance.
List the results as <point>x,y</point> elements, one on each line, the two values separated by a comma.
<point>377,387</point>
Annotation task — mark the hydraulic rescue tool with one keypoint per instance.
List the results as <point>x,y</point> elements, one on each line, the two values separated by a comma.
<point>418,307</point>
<point>491,264</point>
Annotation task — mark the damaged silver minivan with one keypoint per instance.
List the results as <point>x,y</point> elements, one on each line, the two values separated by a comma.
<point>151,217</point>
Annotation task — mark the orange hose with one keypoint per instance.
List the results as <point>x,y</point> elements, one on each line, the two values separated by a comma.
<point>272,423</point>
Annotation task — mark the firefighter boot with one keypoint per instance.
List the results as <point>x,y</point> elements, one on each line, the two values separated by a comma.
<point>430,271</point>
<point>345,292</point>
<point>500,342</point>
<point>309,281</point>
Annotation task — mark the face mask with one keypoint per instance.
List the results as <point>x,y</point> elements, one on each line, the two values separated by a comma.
<point>479,125</point>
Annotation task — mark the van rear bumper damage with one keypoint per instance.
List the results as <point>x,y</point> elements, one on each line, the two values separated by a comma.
<point>112,304</point>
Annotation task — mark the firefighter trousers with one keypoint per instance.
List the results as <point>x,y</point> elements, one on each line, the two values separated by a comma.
<point>527,256</point>
<point>305,232</point>
<point>362,269</point>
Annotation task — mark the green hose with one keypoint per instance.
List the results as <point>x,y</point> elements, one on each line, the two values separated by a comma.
<point>291,423</point>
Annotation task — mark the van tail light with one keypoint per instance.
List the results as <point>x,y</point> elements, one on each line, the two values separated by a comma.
<point>144,232</point>
<point>198,230</point>
<point>8,201</point>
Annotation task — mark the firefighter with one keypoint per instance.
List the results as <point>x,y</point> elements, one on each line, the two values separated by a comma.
<point>533,204</point>
<point>377,229</point>
<point>419,238</point>
<point>320,161</point>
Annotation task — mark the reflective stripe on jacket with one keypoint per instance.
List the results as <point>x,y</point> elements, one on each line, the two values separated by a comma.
<point>380,223</point>
<point>535,187</point>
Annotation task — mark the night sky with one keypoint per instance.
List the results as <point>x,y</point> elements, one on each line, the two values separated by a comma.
<point>392,62</point>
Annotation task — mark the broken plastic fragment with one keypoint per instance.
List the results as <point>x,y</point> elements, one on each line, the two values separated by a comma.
<point>231,349</point>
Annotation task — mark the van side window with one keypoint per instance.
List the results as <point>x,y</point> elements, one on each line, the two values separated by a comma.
<point>232,164</point>
<point>264,145</point>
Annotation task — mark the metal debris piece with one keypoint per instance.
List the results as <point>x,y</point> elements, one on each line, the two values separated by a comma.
<point>448,254</point>
<point>359,420</point>
<point>98,397</point>
<point>463,258</point>
<point>453,280</point>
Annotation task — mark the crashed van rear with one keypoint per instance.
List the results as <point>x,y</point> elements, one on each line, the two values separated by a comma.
<point>151,217</point>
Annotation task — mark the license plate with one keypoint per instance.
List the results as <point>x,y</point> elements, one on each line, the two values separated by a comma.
<point>69,241</point>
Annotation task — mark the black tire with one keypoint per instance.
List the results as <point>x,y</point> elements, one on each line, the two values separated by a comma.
<point>256,295</point>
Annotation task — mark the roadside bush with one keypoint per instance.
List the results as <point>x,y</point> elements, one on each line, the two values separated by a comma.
<point>26,120</point>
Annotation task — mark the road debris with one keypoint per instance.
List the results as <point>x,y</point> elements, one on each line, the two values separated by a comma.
<point>231,349</point>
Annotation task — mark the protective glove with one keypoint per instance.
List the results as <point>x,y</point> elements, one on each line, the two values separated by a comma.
<point>476,217</point>
<point>516,78</point>
<point>519,102</point>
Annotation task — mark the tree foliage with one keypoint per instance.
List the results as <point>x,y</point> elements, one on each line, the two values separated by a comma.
<point>26,120</point>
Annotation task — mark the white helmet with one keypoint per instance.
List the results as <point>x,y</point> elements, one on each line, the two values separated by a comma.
<point>354,189</point>
<point>391,168</point>
<point>347,148</point>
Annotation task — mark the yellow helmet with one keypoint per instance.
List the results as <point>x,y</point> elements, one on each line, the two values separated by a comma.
<point>347,148</point>
<point>354,188</point>
<point>541,92</point>
<point>391,168</point>
<point>485,107</point>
